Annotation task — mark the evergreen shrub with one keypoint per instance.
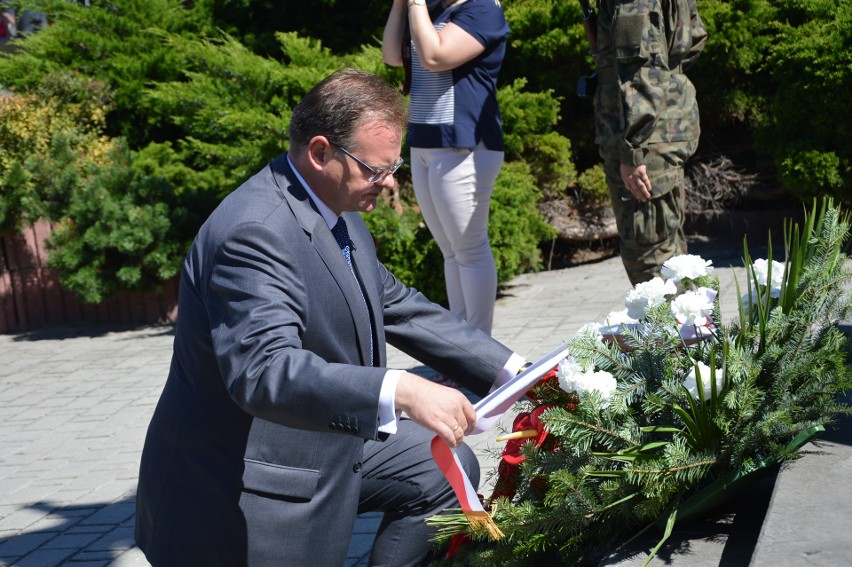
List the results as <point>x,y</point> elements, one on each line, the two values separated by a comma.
<point>406,247</point>
<point>779,73</point>
<point>183,115</point>
<point>592,187</point>
<point>528,122</point>
<point>110,221</point>
<point>516,226</point>
<point>811,64</point>
<point>197,111</point>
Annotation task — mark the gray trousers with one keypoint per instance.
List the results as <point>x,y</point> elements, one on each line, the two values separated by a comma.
<point>400,478</point>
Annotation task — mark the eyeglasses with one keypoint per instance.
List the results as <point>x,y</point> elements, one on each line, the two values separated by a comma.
<point>377,174</point>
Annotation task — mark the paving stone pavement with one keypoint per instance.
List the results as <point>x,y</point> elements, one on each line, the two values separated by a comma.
<point>75,403</point>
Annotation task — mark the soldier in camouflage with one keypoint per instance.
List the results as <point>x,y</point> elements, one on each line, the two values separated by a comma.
<point>646,122</point>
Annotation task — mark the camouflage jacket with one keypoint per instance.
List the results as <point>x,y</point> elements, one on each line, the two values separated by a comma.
<point>643,96</point>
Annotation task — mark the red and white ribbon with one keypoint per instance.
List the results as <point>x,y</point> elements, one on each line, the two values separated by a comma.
<point>449,464</point>
<point>488,410</point>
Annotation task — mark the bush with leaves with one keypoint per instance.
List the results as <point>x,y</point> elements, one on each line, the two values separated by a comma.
<point>779,72</point>
<point>66,113</point>
<point>196,113</point>
<point>528,119</point>
<point>110,236</point>
<point>199,112</point>
<point>342,25</point>
<point>592,187</point>
<point>405,246</point>
<point>117,43</point>
<point>111,224</point>
<point>549,50</point>
<point>730,76</point>
<point>811,64</point>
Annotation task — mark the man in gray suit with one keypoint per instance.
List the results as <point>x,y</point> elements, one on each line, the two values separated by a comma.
<point>279,421</point>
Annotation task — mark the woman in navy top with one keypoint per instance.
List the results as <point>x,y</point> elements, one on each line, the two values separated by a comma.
<point>454,133</point>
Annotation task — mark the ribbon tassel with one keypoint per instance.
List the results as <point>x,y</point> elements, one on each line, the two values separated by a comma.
<point>484,520</point>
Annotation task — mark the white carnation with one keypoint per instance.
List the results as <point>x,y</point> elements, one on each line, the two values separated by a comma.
<point>647,295</point>
<point>619,318</point>
<point>691,382</point>
<point>761,272</point>
<point>693,308</point>
<point>572,378</point>
<point>686,266</point>
<point>569,374</point>
<point>601,381</point>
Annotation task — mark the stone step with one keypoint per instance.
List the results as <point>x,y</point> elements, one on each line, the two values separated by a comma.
<point>808,521</point>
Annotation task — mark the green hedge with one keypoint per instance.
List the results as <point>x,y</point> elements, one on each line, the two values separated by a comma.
<point>180,114</point>
<point>190,113</point>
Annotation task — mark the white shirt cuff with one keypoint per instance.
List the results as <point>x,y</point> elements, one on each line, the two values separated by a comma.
<point>388,416</point>
<point>509,371</point>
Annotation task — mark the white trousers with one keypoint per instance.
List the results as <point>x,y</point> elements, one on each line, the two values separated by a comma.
<point>453,187</point>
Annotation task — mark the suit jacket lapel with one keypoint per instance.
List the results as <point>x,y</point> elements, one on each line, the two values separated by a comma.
<point>317,231</point>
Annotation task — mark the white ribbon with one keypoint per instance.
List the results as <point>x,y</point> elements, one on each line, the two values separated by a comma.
<point>491,407</point>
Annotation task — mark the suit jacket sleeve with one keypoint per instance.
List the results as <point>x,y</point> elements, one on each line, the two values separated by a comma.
<point>439,338</point>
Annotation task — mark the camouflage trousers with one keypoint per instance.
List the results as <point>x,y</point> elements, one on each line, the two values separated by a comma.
<point>650,232</point>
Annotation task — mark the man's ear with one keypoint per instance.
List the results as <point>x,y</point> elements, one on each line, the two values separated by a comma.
<point>319,152</point>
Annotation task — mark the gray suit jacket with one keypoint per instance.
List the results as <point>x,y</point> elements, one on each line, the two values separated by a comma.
<point>257,438</point>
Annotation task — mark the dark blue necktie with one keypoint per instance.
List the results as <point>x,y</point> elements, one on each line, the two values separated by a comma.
<point>341,235</point>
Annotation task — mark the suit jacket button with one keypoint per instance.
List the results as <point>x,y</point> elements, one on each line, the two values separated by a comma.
<point>356,467</point>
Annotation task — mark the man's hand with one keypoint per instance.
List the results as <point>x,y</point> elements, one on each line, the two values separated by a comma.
<point>637,181</point>
<point>445,411</point>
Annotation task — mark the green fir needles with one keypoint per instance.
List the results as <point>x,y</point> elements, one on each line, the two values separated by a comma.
<point>700,407</point>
